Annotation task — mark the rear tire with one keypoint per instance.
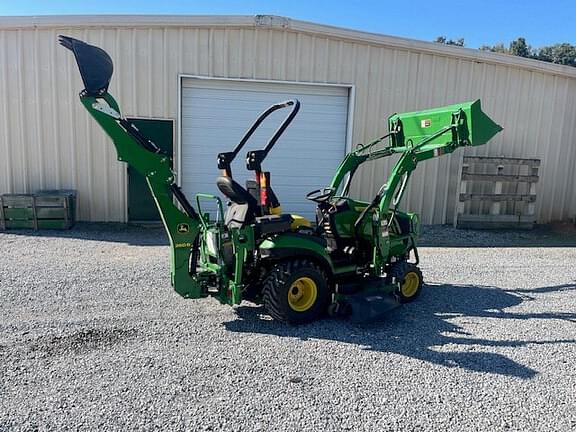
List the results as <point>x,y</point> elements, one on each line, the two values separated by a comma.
<point>296,292</point>
<point>409,281</point>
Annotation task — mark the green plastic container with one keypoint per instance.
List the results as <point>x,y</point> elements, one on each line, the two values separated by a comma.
<point>48,209</point>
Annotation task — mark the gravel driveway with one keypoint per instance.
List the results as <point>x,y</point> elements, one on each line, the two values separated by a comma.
<point>92,336</point>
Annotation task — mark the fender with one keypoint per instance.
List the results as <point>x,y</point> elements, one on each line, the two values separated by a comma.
<point>290,245</point>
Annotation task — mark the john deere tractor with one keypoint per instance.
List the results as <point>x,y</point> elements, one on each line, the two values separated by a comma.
<point>357,258</point>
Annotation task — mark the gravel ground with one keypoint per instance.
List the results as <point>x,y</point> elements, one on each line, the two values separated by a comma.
<point>93,337</point>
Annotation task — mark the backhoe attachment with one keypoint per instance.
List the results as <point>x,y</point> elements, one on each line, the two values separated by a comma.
<point>182,226</point>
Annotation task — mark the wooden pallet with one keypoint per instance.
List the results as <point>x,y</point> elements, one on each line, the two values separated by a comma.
<point>496,185</point>
<point>44,210</point>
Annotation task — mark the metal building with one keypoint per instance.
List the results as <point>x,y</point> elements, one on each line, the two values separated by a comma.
<point>195,83</point>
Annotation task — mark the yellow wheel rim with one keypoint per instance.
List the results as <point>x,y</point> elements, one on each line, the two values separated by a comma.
<point>410,285</point>
<point>302,294</point>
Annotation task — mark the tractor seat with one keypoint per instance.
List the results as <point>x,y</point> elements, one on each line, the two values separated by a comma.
<point>274,207</point>
<point>243,207</point>
<point>272,224</point>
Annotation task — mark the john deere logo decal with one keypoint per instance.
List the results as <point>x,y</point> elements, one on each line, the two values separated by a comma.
<point>183,228</point>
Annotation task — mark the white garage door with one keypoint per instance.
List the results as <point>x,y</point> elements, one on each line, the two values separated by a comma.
<point>216,114</point>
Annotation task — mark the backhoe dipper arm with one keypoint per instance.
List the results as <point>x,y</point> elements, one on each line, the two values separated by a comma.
<point>145,157</point>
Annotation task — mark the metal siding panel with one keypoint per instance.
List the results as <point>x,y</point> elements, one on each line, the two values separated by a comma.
<point>56,148</point>
<point>51,142</point>
<point>17,100</point>
<point>544,123</point>
<point>6,145</point>
<point>569,198</point>
<point>7,163</point>
<point>52,132</point>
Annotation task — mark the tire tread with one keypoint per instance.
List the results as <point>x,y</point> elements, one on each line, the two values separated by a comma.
<point>276,279</point>
<point>397,272</point>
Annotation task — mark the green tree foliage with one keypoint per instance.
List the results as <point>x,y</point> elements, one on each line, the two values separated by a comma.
<point>445,41</point>
<point>562,53</point>
<point>520,48</point>
<point>498,48</point>
<point>517,47</point>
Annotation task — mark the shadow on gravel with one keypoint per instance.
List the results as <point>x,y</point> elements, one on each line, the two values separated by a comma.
<point>422,330</point>
<point>138,235</point>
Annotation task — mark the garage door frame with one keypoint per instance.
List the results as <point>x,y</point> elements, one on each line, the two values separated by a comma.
<point>181,77</point>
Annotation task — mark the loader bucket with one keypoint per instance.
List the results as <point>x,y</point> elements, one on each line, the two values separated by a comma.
<point>94,63</point>
<point>473,126</point>
<point>482,128</point>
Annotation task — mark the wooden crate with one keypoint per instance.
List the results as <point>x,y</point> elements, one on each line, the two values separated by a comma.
<point>506,198</point>
<point>44,210</point>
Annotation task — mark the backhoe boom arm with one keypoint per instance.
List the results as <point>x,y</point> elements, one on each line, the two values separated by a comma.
<point>182,227</point>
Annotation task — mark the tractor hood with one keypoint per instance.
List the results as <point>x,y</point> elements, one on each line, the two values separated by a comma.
<point>94,63</point>
<point>472,126</point>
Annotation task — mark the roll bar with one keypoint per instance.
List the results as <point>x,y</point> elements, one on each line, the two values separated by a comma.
<point>225,159</point>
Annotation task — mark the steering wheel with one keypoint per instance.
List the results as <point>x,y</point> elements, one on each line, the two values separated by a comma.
<point>320,195</point>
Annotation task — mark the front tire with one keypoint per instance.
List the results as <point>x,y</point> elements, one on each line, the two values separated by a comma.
<point>409,281</point>
<point>296,292</point>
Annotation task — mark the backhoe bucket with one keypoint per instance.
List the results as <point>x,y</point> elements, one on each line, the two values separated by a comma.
<point>473,126</point>
<point>94,63</point>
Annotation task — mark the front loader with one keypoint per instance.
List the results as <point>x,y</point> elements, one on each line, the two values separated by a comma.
<point>358,259</point>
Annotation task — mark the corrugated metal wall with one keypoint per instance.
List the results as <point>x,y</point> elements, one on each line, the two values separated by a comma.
<point>47,140</point>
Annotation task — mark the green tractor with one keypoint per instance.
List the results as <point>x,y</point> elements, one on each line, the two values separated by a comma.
<point>359,259</point>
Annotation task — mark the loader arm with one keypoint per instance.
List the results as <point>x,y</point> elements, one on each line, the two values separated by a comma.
<point>427,134</point>
<point>416,136</point>
<point>420,136</point>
